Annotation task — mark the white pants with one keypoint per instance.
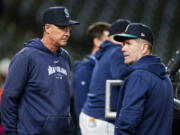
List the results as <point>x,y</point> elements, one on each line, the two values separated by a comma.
<point>100,127</point>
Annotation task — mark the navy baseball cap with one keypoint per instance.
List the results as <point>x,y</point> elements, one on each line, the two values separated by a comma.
<point>118,26</point>
<point>136,30</point>
<point>59,16</point>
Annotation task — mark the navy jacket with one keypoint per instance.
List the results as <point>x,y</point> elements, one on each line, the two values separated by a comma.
<point>81,80</point>
<point>145,105</point>
<point>110,65</point>
<point>36,95</point>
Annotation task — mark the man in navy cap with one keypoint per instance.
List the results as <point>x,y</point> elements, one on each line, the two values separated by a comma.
<point>145,103</point>
<point>109,65</point>
<point>36,94</point>
<point>97,33</point>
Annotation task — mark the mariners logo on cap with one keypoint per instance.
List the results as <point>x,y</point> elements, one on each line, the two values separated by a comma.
<point>127,28</point>
<point>66,13</point>
<point>142,35</point>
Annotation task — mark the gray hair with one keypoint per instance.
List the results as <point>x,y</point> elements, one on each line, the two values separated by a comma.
<point>142,41</point>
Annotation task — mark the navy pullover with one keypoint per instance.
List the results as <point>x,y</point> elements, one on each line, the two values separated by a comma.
<point>81,80</point>
<point>82,77</point>
<point>36,95</point>
<point>110,65</point>
<point>145,103</point>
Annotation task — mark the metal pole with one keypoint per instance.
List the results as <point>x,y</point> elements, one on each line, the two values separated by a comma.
<point>109,84</point>
<point>177,104</point>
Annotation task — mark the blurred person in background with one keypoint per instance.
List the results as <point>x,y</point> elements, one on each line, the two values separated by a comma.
<point>97,33</point>
<point>36,94</point>
<point>4,64</point>
<point>2,78</point>
<point>109,65</point>
<point>145,103</point>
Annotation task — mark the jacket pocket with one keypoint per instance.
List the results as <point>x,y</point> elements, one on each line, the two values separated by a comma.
<point>57,125</point>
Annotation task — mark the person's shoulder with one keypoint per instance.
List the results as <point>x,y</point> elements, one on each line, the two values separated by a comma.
<point>85,64</point>
<point>24,52</point>
<point>82,63</point>
<point>89,59</point>
<point>28,47</point>
<point>64,52</point>
<point>140,73</point>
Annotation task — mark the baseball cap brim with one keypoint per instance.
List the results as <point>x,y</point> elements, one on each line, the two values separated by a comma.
<point>72,22</point>
<point>67,23</point>
<point>121,37</point>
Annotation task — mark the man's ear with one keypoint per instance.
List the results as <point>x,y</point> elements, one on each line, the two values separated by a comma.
<point>47,28</point>
<point>145,48</point>
<point>97,42</point>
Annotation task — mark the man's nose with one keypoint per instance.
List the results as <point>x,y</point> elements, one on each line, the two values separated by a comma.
<point>67,31</point>
<point>123,48</point>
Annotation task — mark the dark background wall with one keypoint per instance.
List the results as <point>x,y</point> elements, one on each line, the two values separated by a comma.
<point>20,20</point>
